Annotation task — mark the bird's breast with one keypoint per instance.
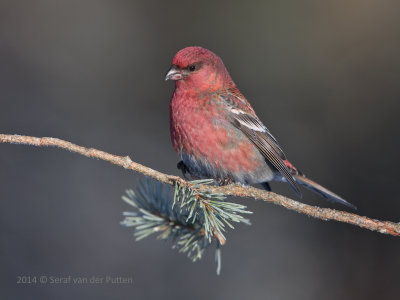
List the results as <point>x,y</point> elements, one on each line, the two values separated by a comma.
<point>201,130</point>
<point>191,121</point>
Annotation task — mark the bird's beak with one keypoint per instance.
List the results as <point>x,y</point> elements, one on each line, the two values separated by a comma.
<point>174,73</point>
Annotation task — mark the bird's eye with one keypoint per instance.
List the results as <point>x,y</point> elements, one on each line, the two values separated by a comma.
<point>192,68</point>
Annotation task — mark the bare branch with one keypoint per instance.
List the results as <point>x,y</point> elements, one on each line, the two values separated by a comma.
<point>325,214</point>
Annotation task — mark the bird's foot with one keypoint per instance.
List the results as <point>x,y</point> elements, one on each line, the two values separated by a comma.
<point>224,181</point>
<point>181,166</point>
<point>186,171</point>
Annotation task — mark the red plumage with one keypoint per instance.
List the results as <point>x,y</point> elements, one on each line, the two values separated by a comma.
<point>216,132</point>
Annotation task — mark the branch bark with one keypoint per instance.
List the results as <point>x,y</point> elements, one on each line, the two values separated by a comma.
<point>325,214</point>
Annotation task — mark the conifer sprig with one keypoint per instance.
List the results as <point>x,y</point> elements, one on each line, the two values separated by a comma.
<point>193,220</point>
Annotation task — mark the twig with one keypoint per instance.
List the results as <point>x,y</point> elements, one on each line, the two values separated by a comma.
<point>325,214</point>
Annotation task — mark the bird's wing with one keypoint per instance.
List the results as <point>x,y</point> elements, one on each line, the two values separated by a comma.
<point>260,136</point>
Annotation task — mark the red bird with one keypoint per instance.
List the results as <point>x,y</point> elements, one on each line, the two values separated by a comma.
<point>217,133</point>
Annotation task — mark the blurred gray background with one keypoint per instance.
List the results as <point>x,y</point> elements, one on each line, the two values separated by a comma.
<point>322,75</point>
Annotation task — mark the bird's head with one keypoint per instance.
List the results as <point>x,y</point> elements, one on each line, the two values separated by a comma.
<point>199,69</point>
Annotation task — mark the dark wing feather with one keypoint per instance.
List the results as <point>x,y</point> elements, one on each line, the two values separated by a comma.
<point>270,151</point>
<point>260,136</point>
<point>240,107</point>
<point>255,124</point>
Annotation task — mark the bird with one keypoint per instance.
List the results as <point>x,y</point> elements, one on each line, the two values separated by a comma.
<point>217,133</point>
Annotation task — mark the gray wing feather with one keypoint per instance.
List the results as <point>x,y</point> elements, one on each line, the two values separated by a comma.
<point>260,136</point>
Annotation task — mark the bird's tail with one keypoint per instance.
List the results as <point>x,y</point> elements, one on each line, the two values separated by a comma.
<point>320,190</point>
